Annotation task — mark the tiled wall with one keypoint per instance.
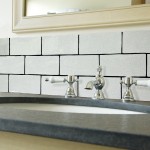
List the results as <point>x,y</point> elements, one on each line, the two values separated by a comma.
<point>25,63</point>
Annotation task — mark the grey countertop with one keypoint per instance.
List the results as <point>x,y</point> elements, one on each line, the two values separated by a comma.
<point>123,131</point>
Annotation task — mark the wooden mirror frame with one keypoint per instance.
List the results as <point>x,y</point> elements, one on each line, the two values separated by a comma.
<point>133,15</point>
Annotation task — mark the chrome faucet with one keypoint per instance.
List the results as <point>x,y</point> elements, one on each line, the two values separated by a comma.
<point>70,90</point>
<point>128,81</point>
<point>98,83</point>
<point>70,80</point>
<point>128,95</point>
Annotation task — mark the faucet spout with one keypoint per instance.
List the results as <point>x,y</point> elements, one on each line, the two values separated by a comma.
<point>89,85</point>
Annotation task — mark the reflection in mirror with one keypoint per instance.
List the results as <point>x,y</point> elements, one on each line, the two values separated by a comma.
<point>44,7</point>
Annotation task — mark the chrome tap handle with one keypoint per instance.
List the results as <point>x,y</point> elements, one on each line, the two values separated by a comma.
<point>70,80</point>
<point>128,95</point>
<point>55,79</point>
<point>128,81</point>
<point>145,83</point>
<point>70,90</point>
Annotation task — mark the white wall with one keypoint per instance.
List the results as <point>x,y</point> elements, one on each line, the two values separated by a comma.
<point>6,24</point>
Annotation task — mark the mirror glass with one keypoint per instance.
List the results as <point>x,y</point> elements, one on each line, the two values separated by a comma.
<point>48,7</point>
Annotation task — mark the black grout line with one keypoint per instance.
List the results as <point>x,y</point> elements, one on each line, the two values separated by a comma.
<point>114,76</point>
<point>125,54</point>
<point>67,75</point>
<point>59,65</point>
<point>121,88</point>
<point>27,74</point>
<point>10,74</point>
<point>78,44</point>
<point>139,76</point>
<point>121,42</point>
<point>125,76</point>
<point>78,86</point>
<point>83,54</point>
<point>8,83</point>
<point>41,45</point>
<point>4,55</point>
<point>146,65</point>
<point>40,84</point>
<point>24,64</point>
<point>9,46</point>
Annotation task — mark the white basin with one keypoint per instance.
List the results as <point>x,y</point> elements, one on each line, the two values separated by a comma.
<point>68,108</point>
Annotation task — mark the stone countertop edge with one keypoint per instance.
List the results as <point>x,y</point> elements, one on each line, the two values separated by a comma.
<point>81,132</point>
<point>98,137</point>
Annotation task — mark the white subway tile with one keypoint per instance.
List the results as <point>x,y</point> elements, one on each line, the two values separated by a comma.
<point>79,65</point>
<point>124,65</point>
<point>24,84</point>
<point>3,83</point>
<point>25,46</point>
<point>148,66</point>
<point>12,64</point>
<point>100,43</point>
<point>139,92</point>
<point>55,88</point>
<point>62,44</point>
<point>136,42</point>
<point>111,88</point>
<point>4,46</point>
<point>42,65</point>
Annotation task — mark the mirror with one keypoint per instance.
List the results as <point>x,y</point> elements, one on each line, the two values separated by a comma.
<point>77,17</point>
<point>47,7</point>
